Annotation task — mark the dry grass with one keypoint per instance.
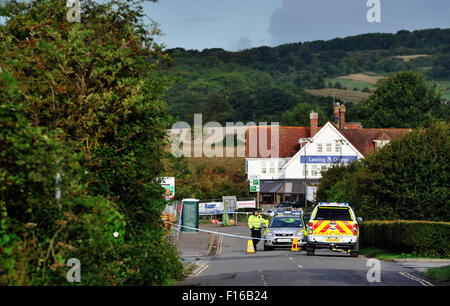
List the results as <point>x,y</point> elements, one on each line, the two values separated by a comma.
<point>362,77</point>
<point>229,163</point>
<point>407,58</point>
<point>232,165</point>
<point>342,94</point>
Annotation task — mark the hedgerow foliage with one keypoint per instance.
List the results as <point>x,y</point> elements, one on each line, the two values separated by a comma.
<point>86,105</point>
<point>420,238</point>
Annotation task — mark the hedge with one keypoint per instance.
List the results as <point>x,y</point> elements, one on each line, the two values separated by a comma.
<point>421,238</point>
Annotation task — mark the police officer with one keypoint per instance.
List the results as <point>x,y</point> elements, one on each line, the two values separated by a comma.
<point>255,223</point>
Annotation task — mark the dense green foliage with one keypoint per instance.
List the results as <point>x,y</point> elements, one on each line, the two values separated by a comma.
<point>267,83</point>
<point>419,238</point>
<point>406,179</point>
<point>403,100</point>
<point>87,105</point>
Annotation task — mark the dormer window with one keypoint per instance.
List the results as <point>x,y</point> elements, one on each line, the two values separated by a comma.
<point>381,143</point>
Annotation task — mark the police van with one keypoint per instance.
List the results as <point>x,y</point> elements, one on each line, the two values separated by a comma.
<point>333,226</point>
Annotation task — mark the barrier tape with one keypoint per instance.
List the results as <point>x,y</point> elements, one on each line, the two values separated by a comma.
<point>231,213</point>
<point>213,232</point>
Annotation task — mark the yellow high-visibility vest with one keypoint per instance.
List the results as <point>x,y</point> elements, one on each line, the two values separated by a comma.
<point>255,221</point>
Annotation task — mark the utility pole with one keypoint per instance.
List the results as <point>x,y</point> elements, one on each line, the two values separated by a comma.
<point>301,141</point>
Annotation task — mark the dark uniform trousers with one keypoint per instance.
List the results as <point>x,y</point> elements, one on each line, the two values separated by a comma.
<point>256,233</point>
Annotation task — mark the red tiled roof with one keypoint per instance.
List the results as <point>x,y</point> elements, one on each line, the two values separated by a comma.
<point>288,140</point>
<point>363,139</point>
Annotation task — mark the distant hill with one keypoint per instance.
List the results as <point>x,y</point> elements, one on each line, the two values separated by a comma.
<point>265,84</point>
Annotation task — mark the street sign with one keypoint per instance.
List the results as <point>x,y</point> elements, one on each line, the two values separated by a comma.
<point>168,183</point>
<point>254,184</point>
<point>230,202</point>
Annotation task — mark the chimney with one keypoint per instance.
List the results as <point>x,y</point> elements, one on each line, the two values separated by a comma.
<point>313,123</point>
<point>336,115</point>
<point>342,116</point>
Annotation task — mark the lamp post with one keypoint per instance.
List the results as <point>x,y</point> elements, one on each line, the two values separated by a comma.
<point>301,141</point>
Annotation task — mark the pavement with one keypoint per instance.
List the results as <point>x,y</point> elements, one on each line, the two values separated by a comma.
<point>196,245</point>
<point>421,265</point>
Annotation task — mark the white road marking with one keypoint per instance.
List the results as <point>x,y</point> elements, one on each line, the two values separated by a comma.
<point>219,250</point>
<point>199,270</point>
<point>417,279</point>
<point>300,266</point>
<point>262,278</point>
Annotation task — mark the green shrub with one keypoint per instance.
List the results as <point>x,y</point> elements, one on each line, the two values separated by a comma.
<point>406,179</point>
<point>98,122</point>
<point>420,238</point>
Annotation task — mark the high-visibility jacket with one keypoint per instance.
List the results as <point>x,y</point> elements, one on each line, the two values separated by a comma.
<point>255,221</point>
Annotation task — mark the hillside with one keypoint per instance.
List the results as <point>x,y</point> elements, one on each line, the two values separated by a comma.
<point>266,84</point>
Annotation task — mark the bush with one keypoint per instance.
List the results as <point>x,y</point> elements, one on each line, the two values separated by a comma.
<point>406,179</point>
<point>99,124</point>
<point>421,238</point>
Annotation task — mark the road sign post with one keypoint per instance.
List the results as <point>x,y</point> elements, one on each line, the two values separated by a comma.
<point>255,187</point>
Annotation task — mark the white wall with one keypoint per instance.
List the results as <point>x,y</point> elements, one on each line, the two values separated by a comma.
<point>255,166</point>
<point>292,168</point>
<point>327,135</point>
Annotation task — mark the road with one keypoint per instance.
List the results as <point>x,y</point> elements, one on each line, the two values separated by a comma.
<point>281,267</point>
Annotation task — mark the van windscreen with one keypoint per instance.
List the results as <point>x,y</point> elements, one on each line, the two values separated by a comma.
<point>333,213</point>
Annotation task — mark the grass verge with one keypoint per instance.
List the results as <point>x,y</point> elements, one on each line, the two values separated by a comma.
<point>387,255</point>
<point>439,273</point>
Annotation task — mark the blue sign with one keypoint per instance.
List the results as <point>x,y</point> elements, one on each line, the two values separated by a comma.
<point>327,159</point>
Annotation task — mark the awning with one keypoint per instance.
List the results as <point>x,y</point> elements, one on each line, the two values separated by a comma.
<point>270,186</point>
<point>282,187</point>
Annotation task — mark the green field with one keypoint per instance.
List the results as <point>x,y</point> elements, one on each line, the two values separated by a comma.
<point>349,84</point>
<point>445,85</point>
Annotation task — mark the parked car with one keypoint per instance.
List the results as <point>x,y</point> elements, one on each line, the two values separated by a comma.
<point>301,204</point>
<point>282,230</point>
<point>284,207</point>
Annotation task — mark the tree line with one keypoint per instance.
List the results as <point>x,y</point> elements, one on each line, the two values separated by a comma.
<point>266,83</point>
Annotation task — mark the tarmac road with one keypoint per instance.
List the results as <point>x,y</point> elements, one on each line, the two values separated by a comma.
<point>231,266</point>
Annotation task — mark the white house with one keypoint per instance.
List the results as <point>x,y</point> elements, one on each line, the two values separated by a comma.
<point>326,148</point>
<point>302,153</point>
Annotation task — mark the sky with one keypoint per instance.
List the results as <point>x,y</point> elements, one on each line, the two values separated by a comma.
<point>241,24</point>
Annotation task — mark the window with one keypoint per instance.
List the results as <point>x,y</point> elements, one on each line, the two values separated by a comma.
<point>280,166</point>
<point>263,166</point>
<point>291,221</point>
<point>381,143</point>
<point>337,148</point>
<point>319,148</point>
<point>272,167</point>
<point>314,170</point>
<point>267,199</point>
<point>333,213</point>
<point>328,147</point>
<point>323,168</point>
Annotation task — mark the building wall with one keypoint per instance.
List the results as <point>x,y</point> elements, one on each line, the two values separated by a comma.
<point>265,168</point>
<point>323,144</point>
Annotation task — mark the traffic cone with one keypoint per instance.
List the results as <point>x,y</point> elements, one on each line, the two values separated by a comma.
<point>294,244</point>
<point>250,247</point>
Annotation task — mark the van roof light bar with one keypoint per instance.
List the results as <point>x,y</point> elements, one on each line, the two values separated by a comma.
<point>333,203</point>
